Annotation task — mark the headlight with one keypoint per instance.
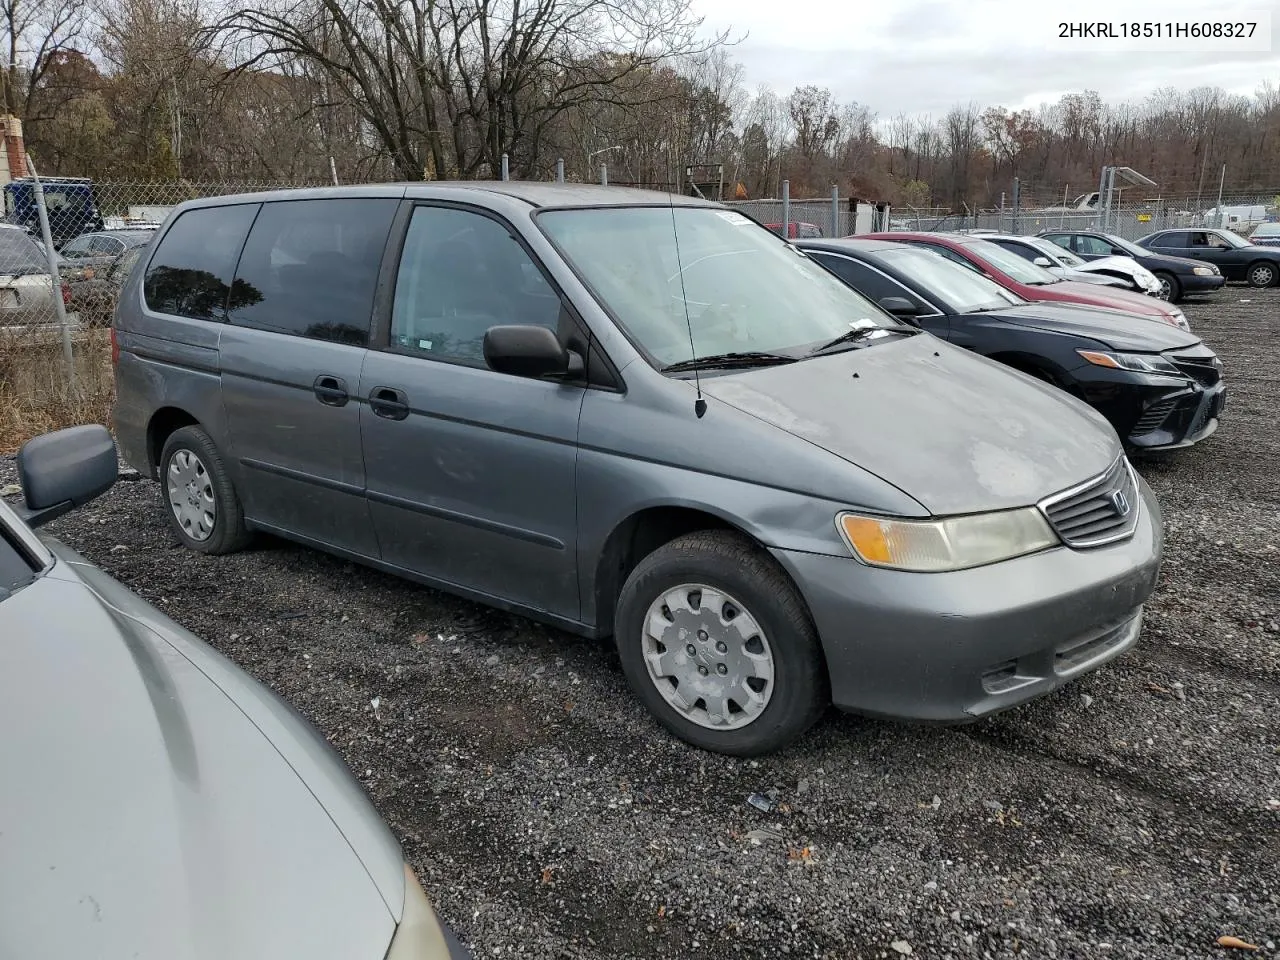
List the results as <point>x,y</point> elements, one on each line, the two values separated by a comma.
<point>1203,271</point>
<point>1137,362</point>
<point>956,543</point>
<point>418,935</point>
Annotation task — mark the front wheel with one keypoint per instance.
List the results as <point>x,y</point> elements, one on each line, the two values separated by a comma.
<point>718,645</point>
<point>1170,289</point>
<point>1263,274</point>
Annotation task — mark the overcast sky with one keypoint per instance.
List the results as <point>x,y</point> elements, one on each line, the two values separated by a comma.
<point>925,56</point>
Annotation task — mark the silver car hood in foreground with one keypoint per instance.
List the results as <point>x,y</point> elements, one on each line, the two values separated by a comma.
<point>956,431</point>
<point>152,798</point>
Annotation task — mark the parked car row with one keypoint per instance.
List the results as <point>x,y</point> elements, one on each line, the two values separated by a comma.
<point>1159,388</point>
<point>91,269</point>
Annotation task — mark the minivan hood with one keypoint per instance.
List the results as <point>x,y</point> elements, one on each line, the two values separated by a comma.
<point>1113,328</point>
<point>956,431</point>
<point>144,815</point>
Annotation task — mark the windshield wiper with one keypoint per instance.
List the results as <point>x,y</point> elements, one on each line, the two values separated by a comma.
<point>724,361</point>
<point>861,333</point>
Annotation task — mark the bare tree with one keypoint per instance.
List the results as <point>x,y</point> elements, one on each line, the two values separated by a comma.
<point>449,86</point>
<point>35,30</point>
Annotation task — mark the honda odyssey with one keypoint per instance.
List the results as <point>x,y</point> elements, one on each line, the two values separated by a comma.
<point>640,416</point>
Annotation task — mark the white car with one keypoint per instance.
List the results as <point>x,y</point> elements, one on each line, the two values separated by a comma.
<point>1108,271</point>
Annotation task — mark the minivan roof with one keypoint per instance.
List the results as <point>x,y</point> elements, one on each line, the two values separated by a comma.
<point>535,193</point>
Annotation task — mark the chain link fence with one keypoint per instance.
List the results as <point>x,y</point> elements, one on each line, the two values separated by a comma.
<point>809,217</point>
<point>57,299</point>
<point>1131,220</point>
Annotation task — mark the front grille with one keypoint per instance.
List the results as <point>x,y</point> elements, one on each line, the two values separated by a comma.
<point>1153,416</point>
<point>1099,511</point>
<point>1206,371</point>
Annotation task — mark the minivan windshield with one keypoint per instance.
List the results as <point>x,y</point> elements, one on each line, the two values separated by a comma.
<point>962,290</point>
<point>1010,264</point>
<point>688,282</point>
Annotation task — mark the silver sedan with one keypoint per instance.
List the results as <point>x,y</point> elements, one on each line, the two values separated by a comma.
<point>156,802</point>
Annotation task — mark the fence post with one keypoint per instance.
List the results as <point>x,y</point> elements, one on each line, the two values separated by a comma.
<point>55,278</point>
<point>604,174</point>
<point>786,209</point>
<point>333,171</point>
<point>835,209</point>
<point>1102,186</point>
<point>560,170</point>
<point>1017,202</point>
<point>1222,215</point>
<point>506,168</point>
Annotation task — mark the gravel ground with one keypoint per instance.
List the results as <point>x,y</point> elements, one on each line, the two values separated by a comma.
<point>1135,813</point>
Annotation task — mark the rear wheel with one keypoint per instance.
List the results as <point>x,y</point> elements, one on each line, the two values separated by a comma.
<point>1262,274</point>
<point>1170,288</point>
<point>203,507</point>
<point>717,643</point>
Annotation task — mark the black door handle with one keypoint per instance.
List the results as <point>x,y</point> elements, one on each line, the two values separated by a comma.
<point>389,402</point>
<point>331,391</point>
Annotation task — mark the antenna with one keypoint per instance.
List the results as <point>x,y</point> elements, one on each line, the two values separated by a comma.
<point>700,404</point>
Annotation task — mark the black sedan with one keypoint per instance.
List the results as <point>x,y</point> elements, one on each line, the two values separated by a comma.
<point>1237,258</point>
<point>1178,275</point>
<point>1160,387</point>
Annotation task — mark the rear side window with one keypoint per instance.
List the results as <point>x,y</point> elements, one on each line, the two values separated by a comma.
<point>1172,240</point>
<point>872,284</point>
<point>1094,246</point>
<point>1022,250</point>
<point>952,256</point>
<point>190,274</point>
<point>310,267</point>
<point>108,245</point>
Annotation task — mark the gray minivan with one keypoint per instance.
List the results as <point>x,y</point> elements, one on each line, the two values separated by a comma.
<point>629,414</point>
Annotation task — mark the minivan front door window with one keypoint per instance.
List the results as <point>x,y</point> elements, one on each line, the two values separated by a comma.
<point>705,282</point>
<point>460,274</point>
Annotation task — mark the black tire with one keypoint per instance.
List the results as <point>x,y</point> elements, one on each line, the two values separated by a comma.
<point>1262,273</point>
<point>229,532</point>
<point>730,562</point>
<point>1170,281</point>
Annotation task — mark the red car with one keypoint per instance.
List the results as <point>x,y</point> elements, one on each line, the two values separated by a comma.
<point>1035,283</point>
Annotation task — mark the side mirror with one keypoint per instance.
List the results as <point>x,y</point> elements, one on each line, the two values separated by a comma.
<point>528,350</point>
<point>1042,262</point>
<point>65,469</point>
<point>898,306</point>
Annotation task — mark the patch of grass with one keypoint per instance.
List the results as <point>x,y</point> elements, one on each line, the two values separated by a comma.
<point>34,392</point>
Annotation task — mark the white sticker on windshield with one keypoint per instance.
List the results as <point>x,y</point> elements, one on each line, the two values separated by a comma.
<point>734,217</point>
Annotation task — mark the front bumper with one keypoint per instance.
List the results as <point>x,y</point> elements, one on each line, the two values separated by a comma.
<point>1179,420</point>
<point>1158,412</point>
<point>954,647</point>
<point>1194,284</point>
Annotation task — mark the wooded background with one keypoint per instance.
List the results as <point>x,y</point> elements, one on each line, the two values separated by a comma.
<point>407,89</point>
